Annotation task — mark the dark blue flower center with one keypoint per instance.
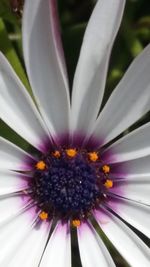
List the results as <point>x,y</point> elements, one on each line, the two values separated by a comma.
<point>68,187</point>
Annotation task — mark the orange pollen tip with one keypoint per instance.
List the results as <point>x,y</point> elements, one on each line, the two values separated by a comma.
<point>76,223</point>
<point>106,169</point>
<point>71,152</point>
<point>41,165</point>
<point>43,215</point>
<point>56,154</point>
<point>108,184</point>
<point>93,156</point>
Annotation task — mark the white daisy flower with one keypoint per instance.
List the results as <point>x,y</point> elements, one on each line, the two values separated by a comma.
<point>76,175</point>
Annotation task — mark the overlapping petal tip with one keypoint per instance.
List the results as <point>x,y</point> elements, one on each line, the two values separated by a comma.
<point>129,101</point>
<point>92,249</point>
<point>17,109</point>
<point>58,249</point>
<point>45,64</point>
<point>13,157</point>
<point>90,75</point>
<point>56,34</point>
<point>130,246</point>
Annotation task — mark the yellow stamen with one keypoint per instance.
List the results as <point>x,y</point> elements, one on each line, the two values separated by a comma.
<point>106,169</point>
<point>56,154</point>
<point>41,165</point>
<point>108,184</point>
<point>71,152</point>
<point>93,156</point>
<point>76,223</point>
<point>43,215</point>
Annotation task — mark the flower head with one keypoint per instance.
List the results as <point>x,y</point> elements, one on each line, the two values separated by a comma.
<point>76,175</point>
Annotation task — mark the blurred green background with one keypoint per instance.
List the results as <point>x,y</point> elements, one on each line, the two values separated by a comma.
<point>133,36</point>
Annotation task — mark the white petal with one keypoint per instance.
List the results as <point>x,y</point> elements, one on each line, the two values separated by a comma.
<point>11,182</point>
<point>12,157</point>
<point>10,206</point>
<point>92,250</point>
<point>17,109</point>
<point>58,250</point>
<point>139,167</point>
<point>134,145</point>
<point>44,63</point>
<point>90,76</point>
<point>137,189</point>
<point>125,240</point>
<point>129,101</point>
<point>32,248</point>
<point>134,213</point>
<point>12,236</point>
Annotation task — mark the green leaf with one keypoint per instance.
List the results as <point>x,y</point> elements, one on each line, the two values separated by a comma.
<point>8,50</point>
<point>8,133</point>
<point>6,12</point>
<point>143,28</point>
<point>132,42</point>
